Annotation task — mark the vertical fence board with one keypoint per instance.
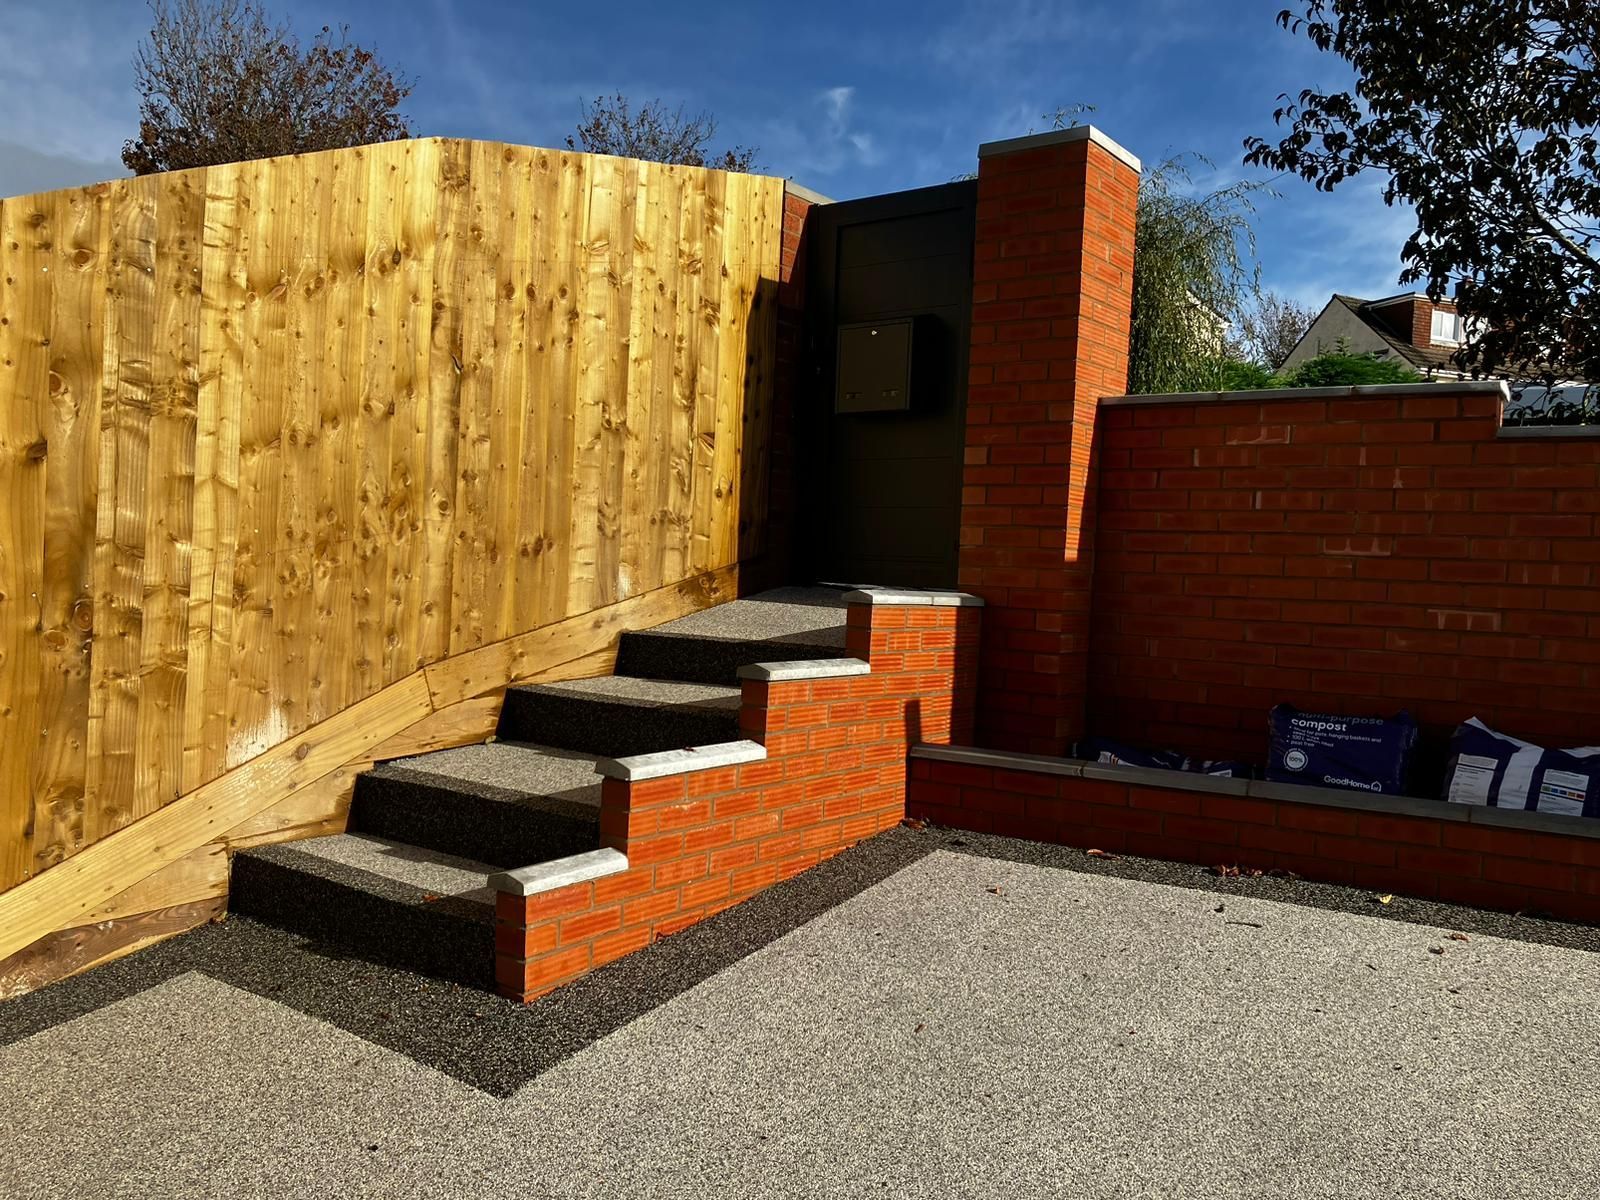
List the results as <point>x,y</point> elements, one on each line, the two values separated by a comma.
<point>302,570</point>
<point>708,375</point>
<point>508,371</point>
<point>734,295</point>
<point>474,524</point>
<point>25,309</point>
<point>412,268</point>
<point>686,321</point>
<point>77,298</point>
<point>561,260</point>
<point>538,233</point>
<point>454,188</point>
<point>340,375</point>
<point>169,489</point>
<point>216,495</point>
<point>656,438</point>
<point>259,713</point>
<point>124,511</point>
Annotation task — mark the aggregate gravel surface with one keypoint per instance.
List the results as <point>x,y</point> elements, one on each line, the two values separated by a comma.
<point>629,690</point>
<point>800,614</point>
<point>959,1016</point>
<point>511,766</point>
<point>414,866</point>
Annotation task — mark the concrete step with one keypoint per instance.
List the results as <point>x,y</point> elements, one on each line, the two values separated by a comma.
<point>504,803</point>
<point>711,646</point>
<point>378,899</point>
<point>618,715</point>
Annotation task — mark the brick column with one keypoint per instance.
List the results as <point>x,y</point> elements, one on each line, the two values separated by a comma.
<point>1052,297</point>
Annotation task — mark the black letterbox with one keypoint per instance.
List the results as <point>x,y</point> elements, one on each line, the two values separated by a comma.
<point>877,365</point>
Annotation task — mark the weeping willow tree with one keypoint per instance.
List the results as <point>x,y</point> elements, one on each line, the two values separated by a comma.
<point>1193,269</point>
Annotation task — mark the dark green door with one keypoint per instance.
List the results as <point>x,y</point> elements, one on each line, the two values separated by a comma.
<point>880,491</point>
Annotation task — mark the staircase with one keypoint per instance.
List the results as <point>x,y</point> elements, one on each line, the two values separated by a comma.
<point>406,885</point>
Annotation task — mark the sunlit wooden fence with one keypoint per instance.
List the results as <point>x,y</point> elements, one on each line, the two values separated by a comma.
<point>278,436</point>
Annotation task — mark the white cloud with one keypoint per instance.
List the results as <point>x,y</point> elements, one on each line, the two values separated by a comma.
<point>1349,241</point>
<point>824,138</point>
<point>836,101</point>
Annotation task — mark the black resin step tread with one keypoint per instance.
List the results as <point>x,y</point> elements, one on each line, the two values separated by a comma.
<point>616,715</point>
<point>502,803</point>
<point>377,899</point>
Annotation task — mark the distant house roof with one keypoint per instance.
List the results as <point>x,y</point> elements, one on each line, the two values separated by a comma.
<point>1426,359</point>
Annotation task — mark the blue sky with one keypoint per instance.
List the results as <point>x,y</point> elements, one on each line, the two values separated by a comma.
<point>850,99</point>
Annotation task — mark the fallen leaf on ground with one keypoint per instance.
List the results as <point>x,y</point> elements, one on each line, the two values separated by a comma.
<point>996,891</point>
<point>920,1027</point>
<point>430,897</point>
<point>1435,949</point>
<point>1386,898</point>
<point>914,823</point>
<point>1224,870</point>
<point>1459,937</point>
<point>1101,854</point>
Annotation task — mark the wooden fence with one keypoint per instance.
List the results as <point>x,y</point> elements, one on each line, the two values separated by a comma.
<point>280,438</point>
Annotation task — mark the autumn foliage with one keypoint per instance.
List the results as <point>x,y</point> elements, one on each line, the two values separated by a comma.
<point>219,82</point>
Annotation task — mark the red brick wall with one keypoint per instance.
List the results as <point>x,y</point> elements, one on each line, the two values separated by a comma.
<point>700,841</point>
<point>1426,857</point>
<point>1356,555</point>
<point>1052,294</point>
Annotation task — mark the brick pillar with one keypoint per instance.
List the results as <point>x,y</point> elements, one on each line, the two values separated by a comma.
<point>1052,297</point>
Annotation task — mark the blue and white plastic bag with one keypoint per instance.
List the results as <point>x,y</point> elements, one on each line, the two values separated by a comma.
<point>1367,754</point>
<point>1495,769</point>
<point>1113,754</point>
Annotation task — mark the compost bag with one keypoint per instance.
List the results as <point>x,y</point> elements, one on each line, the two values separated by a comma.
<point>1367,754</point>
<point>1495,769</point>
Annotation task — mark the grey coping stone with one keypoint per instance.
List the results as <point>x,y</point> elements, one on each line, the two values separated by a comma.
<point>1058,137</point>
<point>1042,764</point>
<point>812,668</point>
<point>1577,432</point>
<point>1408,806</point>
<point>1466,386</point>
<point>806,193</point>
<point>1076,768</point>
<point>904,596</point>
<point>676,762</point>
<point>560,872</point>
<point>1533,822</point>
<point>1188,781</point>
